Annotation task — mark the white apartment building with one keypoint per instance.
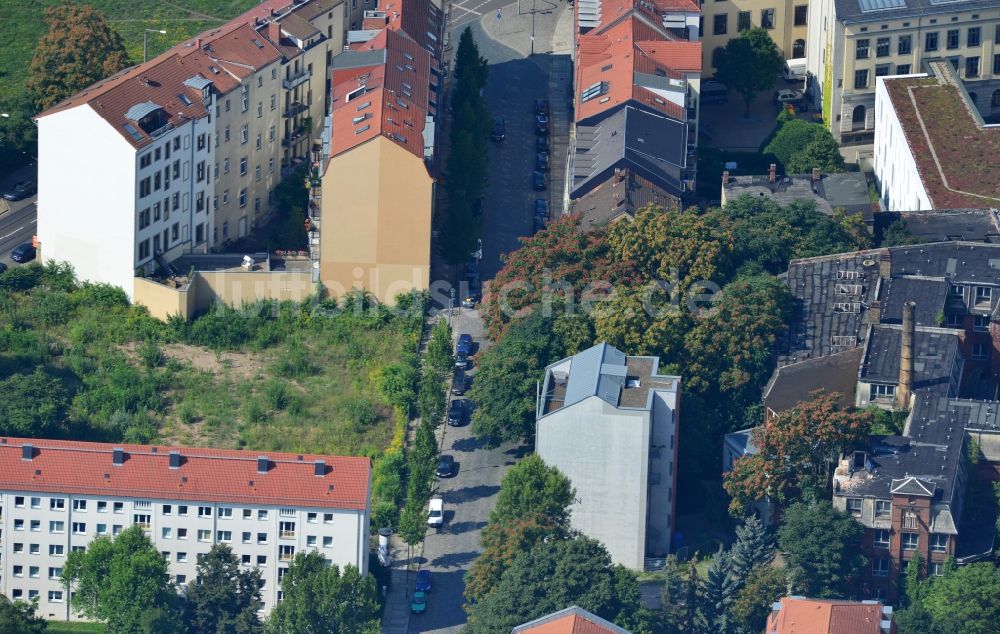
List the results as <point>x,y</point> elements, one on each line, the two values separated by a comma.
<point>609,422</point>
<point>124,172</point>
<point>57,496</point>
<point>852,42</point>
<point>930,141</point>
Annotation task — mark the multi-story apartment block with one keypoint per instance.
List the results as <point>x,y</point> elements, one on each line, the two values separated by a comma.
<point>57,496</point>
<point>637,78</point>
<point>609,422</point>
<point>930,140</point>
<point>785,21</point>
<point>125,170</point>
<point>851,42</point>
<point>909,328</point>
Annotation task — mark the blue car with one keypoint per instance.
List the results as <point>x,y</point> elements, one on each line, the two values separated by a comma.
<point>423,581</point>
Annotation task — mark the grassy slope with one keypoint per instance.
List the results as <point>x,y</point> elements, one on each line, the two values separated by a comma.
<point>24,24</point>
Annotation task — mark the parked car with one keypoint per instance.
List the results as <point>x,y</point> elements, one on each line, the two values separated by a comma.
<point>460,383</point>
<point>538,224</point>
<point>542,107</point>
<point>21,190</point>
<point>445,466</point>
<point>542,161</point>
<point>782,97</point>
<point>714,91</point>
<point>456,412</point>
<point>418,604</point>
<point>541,124</point>
<point>423,583</point>
<point>463,350</point>
<point>3,268</point>
<point>435,513</point>
<point>23,253</point>
<point>542,208</point>
<point>542,144</point>
<point>538,181</point>
<point>472,298</point>
<point>499,132</point>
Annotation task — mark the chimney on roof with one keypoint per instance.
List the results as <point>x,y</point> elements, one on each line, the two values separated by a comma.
<point>725,178</point>
<point>772,173</point>
<point>175,460</point>
<point>905,389</point>
<point>319,468</point>
<point>274,32</point>
<point>885,266</point>
<point>27,452</point>
<point>197,42</point>
<point>262,464</point>
<point>816,174</point>
<point>118,456</point>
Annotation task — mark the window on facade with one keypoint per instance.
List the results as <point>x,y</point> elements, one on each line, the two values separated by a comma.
<point>144,250</point>
<point>902,69</point>
<point>981,323</point>
<point>256,173</point>
<point>882,70</point>
<point>201,171</point>
<point>57,527</point>
<point>142,519</point>
<point>877,391</point>
<point>224,536</point>
<point>880,538</point>
<point>36,525</point>
<point>720,24</point>
<point>261,538</point>
<point>260,109</point>
<point>34,549</point>
<point>204,535</point>
<point>18,571</point>
<point>261,514</point>
<point>145,187</point>
<point>904,44</point>
<point>286,530</point>
<point>181,557</point>
<point>259,141</point>
<point>204,511</point>
<point>861,48</point>
<point>244,133</point>
<point>102,529</point>
<point>952,39</point>
<point>909,540</point>
<point>972,67</point>
<point>882,46</point>
<point>984,294</point>
<point>182,533</point>
<point>883,508</point>
<point>939,542</point>
<point>801,13</point>
<point>56,550</point>
<point>860,79</point>
<point>55,572</point>
<point>33,572</point>
<point>245,99</point>
<point>880,567</point>
<point>285,553</point>
<point>261,560</point>
<point>767,18</point>
<point>743,21</point>
<point>19,525</point>
<point>931,42</point>
<point>973,37</point>
<point>854,506</point>
<point>243,166</point>
<point>311,541</point>
<point>243,198</point>
<point>167,532</point>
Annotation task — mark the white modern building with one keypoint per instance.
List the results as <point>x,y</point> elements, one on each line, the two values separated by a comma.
<point>930,140</point>
<point>609,422</point>
<point>57,496</point>
<point>125,171</point>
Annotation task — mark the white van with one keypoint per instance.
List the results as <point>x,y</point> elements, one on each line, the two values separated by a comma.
<point>435,513</point>
<point>795,69</point>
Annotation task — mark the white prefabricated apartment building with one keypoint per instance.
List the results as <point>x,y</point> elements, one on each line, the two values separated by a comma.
<point>609,421</point>
<point>57,496</point>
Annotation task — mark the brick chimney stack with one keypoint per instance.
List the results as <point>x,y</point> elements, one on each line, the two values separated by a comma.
<point>725,178</point>
<point>905,389</point>
<point>772,173</point>
<point>274,31</point>
<point>816,174</point>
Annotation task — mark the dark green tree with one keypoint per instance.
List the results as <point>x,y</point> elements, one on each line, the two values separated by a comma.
<point>439,348</point>
<point>822,152</point>
<point>692,618</point>
<point>18,617</point>
<point>320,599</point>
<point>820,546</point>
<point>754,546</point>
<point>34,405</point>
<point>762,587</point>
<point>123,582</point>
<point>965,600</point>
<point>224,598</point>
<point>18,134</point>
<point>749,64</point>
<point>555,575</point>
<point>672,597</point>
<point>718,593</point>
<point>79,49</point>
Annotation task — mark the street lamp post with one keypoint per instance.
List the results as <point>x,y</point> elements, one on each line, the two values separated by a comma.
<point>145,33</point>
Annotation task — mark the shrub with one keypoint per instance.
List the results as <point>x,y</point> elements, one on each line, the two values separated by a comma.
<point>187,413</point>
<point>396,383</point>
<point>253,411</point>
<point>360,413</point>
<point>151,354</point>
<point>276,394</point>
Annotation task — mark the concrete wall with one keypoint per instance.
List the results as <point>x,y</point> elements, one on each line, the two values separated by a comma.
<point>228,287</point>
<point>900,184</point>
<point>604,452</point>
<point>663,472</point>
<point>86,206</point>
<point>376,221</point>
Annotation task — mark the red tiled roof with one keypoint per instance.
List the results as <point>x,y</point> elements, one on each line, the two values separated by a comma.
<point>225,55</point>
<point>397,91</point>
<point>573,620</point>
<point>817,616</point>
<point>615,54</point>
<point>209,475</point>
<point>417,18</point>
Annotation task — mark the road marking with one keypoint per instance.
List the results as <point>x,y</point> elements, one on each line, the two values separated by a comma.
<point>18,230</point>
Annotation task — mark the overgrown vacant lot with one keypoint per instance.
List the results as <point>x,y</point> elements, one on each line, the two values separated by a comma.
<point>24,24</point>
<point>77,361</point>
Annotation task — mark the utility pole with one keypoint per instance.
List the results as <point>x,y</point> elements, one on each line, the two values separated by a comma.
<point>145,33</point>
<point>532,27</point>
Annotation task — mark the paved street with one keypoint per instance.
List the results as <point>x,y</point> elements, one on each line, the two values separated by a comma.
<point>17,219</point>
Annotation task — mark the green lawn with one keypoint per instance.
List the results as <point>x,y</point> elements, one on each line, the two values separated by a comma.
<point>278,377</point>
<point>24,23</point>
<point>73,627</point>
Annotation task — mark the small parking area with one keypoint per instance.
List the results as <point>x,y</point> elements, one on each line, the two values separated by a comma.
<point>724,125</point>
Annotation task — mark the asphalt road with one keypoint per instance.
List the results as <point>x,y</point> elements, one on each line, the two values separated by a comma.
<point>17,218</point>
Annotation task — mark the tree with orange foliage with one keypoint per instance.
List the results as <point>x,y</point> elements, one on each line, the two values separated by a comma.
<point>795,451</point>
